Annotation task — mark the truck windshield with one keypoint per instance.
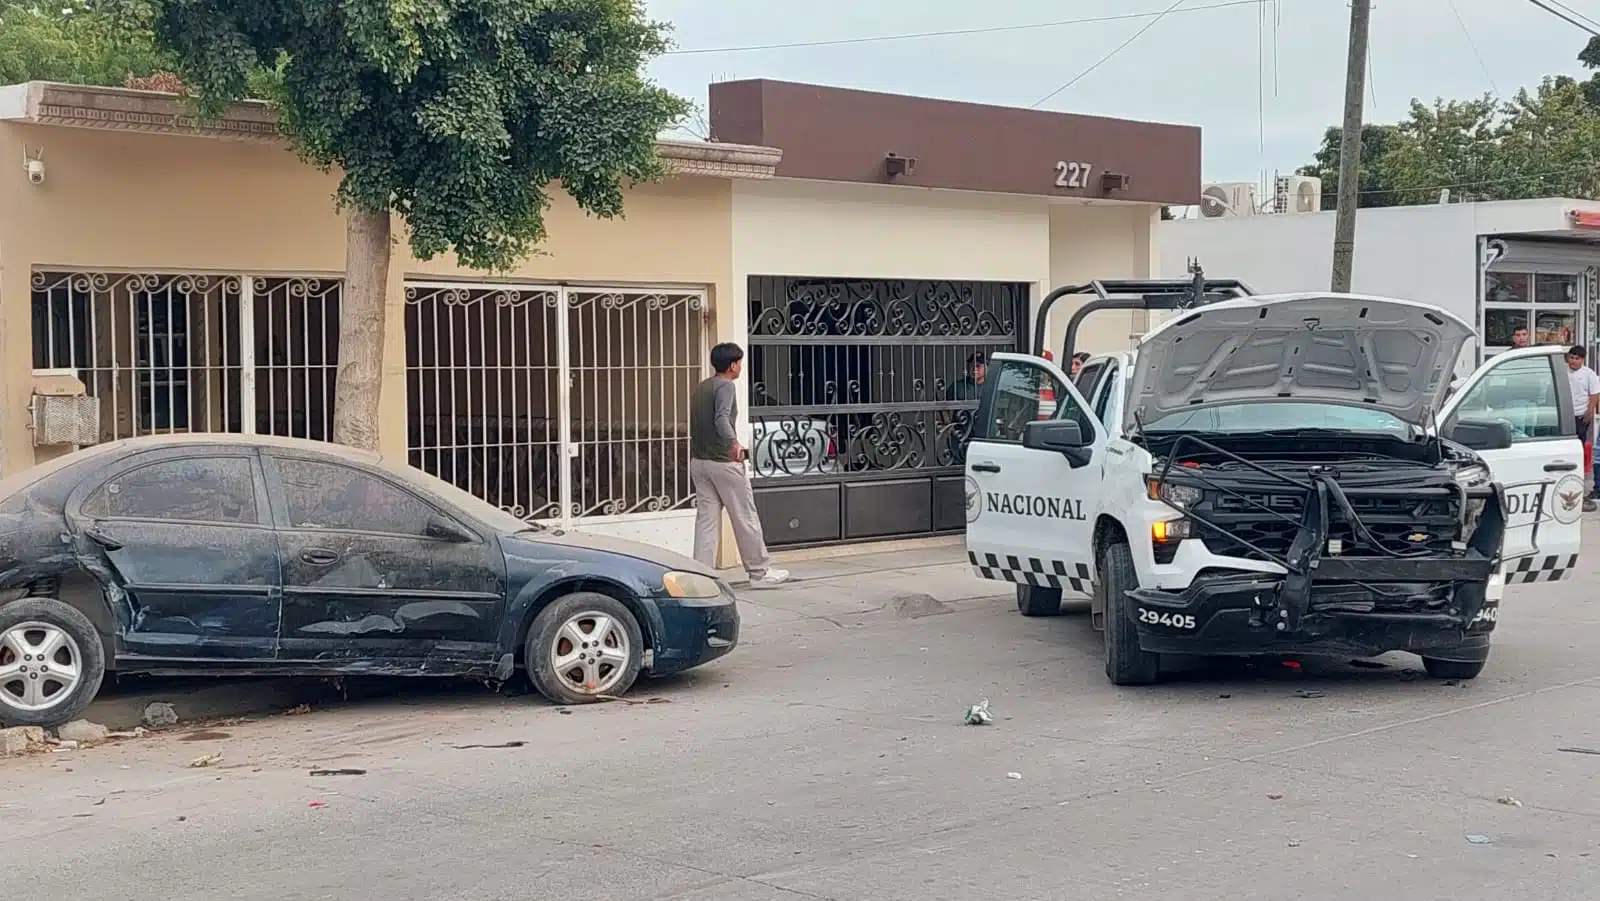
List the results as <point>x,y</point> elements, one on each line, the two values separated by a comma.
<point>1276,417</point>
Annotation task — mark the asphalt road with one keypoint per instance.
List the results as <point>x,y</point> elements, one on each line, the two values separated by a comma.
<point>827,759</point>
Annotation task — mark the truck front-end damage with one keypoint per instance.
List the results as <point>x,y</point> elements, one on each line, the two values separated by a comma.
<point>1328,545</point>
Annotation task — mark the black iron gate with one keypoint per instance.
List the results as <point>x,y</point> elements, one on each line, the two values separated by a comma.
<point>861,398</point>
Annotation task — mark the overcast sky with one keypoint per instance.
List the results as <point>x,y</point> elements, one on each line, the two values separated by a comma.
<point>1260,111</point>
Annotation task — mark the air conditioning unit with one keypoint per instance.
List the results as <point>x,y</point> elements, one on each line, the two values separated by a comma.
<point>1228,200</point>
<point>1297,194</point>
<point>63,411</point>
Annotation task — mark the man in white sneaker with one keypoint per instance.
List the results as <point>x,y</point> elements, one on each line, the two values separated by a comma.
<point>1585,403</point>
<point>717,471</point>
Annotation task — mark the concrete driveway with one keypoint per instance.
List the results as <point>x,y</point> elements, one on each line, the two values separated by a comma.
<point>827,760</point>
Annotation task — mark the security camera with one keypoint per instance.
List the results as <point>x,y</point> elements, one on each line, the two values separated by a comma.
<point>36,171</point>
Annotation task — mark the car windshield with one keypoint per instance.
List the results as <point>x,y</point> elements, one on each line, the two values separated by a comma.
<point>1276,417</point>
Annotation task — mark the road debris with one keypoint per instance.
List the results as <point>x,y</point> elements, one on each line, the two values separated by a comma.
<point>83,732</point>
<point>316,804</point>
<point>633,700</point>
<point>1308,693</point>
<point>509,744</point>
<point>1508,801</point>
<point>348,771</point>
<point>1294,843</point>
<point>1013,775</point>
<point>1274,797</point>
<point>160,715</point>
<point>298,710</point>
<point>978,714</point>
<point>1480,840</point>
<point>1579,751</point>
<point>206,735</point>
<point>205,761</point>
<point>20,740</point>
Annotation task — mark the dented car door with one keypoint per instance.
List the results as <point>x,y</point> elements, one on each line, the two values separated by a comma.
<point>374,572</point>
<point>184,541</point>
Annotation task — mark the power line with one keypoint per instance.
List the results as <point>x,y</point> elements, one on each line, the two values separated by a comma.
<point>952,32</point>
<point>1510,179</point>
<point>1104,59</point>
<point>1474,45</point>
<point>1574,12</point>
<point>1564,17</point>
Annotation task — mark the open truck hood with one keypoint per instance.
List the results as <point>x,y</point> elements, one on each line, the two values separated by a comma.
<point>1348,349</point>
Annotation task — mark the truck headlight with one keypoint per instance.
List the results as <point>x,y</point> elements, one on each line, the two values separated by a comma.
<point>1475,476</point>
<point>1177,495</point>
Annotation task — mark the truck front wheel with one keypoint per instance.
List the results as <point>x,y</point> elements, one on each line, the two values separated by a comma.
<point>1126,662</point>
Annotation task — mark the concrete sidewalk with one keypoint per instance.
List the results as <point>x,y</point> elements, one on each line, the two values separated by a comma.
<point>832,588</point>
<point>843,588</point>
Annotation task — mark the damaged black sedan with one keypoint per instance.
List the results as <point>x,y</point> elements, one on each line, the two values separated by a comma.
<point>226,555</point>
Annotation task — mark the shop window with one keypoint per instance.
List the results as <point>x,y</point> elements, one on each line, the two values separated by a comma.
<point>1498,324</point>
<point>1509,287</point>
<point>1546,304</point>
<point>1556,290</point>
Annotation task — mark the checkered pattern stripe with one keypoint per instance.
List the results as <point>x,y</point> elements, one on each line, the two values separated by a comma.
<point>1539,569</point>
<point>1032,571</point>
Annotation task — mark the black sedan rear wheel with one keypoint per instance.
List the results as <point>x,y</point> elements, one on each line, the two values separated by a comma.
<point>584,647</point>
<point>51,662</point>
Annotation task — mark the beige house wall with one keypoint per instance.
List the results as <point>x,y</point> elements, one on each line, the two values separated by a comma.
<point>162,203</point>
<point>1100,241</point>
<point>114,201</point>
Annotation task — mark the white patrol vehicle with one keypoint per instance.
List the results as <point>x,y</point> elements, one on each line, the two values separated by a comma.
<point>1269,475</point>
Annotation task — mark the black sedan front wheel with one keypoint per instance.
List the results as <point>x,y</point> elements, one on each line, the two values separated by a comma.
<point>584,647</point>
<point>51,662</point>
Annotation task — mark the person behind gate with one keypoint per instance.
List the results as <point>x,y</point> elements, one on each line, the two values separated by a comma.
<point>717,471</point>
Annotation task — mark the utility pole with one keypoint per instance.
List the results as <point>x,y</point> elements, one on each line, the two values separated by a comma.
<point>1355,90</point>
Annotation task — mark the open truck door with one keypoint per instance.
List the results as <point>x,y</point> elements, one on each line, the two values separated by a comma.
<point>1033,476</point>
<point>1516,411</point>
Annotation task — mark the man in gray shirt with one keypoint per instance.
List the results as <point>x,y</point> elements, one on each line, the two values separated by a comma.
<point>716,469</point>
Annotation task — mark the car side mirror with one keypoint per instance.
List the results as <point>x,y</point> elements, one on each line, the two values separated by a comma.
<point>1064,436</point>
<point>1480,436</point>
<point>446,530</point>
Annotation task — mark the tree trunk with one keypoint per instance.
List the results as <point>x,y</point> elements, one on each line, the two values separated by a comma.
<point>361,332</point>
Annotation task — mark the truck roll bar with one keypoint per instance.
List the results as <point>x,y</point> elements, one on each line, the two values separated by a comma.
<point>1133,294</point>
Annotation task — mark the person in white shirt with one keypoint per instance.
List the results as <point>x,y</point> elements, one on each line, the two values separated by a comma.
<point>1585,402</point>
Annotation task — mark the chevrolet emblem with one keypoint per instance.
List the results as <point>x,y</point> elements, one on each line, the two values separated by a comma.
<point>1417,537</point>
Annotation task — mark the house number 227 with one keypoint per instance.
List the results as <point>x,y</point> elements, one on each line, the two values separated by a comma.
<point>1072,175</point>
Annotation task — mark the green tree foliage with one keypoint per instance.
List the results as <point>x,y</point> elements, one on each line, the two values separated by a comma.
<point>69,40</point>
<point>457,115</point>
<point>1542,142</point>
<point>1376,142</point>
<point>1447,143</point>
<point>1590,58</point>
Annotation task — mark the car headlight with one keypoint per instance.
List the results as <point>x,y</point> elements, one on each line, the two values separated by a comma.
<point>1177,495</point>
<point>690,585</point>
<point>1474,476</point>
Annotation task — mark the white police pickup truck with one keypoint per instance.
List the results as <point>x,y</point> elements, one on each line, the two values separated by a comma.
<point>1279,475</point>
